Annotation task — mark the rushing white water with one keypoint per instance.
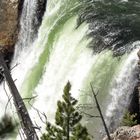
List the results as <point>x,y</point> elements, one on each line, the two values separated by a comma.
<point>27,26</point>
<point>23,51</point>
<point>60,54</point>
<point>68,62</point>
<point>121,89</point>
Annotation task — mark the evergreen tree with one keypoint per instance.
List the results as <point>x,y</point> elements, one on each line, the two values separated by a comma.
<point>67,120</point>
<point>6,126</point>
<point>129,119</point>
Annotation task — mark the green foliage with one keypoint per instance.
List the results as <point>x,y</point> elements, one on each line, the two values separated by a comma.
<point>6,126</point>
<point>129,119</point>
<point>67,121</point>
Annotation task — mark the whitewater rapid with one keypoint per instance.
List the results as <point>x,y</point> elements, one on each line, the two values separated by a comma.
<point>59,54</point>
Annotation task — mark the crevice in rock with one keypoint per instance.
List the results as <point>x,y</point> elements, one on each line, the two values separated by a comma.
<point>134,104</point>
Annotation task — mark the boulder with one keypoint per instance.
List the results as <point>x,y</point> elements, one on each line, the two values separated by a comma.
<point>126,133</point>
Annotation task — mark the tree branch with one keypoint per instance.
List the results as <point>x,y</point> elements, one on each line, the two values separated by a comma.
<point>100,112</point>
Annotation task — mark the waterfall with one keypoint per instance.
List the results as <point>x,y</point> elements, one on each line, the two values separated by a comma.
<point>120,93</point>
<point>29,23</point>
<point>27,33</point>
<point>60,53</point>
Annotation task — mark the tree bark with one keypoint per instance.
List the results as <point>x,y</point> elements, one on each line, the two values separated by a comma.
<point>22,112</point>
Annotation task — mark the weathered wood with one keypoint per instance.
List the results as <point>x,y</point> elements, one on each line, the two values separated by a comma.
<point>22,112</point>
<point>100,112</point>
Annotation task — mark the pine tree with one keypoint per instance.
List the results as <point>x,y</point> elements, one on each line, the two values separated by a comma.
<point>129,119</point>
<point>67,120</point>
<point>7,126</point>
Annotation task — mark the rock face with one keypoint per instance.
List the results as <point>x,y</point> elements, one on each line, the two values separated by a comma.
<point>9,13</point>
<point>126,133</point>
<point>133,107</point>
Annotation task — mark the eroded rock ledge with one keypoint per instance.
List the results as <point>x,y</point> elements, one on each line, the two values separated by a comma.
<point>126,133</point>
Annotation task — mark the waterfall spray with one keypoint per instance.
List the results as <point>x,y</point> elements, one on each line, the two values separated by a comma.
<point>121,89</point>
<point>59,53</point>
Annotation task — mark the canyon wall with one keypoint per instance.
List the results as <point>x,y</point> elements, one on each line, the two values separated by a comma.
<point>9,17</point>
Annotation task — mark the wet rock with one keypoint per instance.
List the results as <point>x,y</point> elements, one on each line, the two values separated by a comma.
<point>9,14</point>
<point>133,107</point>
<point>126,133</point>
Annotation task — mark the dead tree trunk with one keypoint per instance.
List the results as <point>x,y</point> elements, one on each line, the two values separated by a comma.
<point>100,112</point>
<point>22,112</point>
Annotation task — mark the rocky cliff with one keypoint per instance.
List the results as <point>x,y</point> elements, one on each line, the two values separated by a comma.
<point>9,13</point>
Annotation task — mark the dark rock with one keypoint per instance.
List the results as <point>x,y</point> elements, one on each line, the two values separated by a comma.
<point>41,9</point>
<point>134,104</point>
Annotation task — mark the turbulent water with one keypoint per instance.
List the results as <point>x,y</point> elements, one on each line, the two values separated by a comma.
<point>29,23</point>
<point>62,52</point>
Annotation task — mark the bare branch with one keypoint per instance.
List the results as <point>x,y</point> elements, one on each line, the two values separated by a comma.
<point>100,112</point>
<point>14,66</point>
<point>39,129</point>
<point>89,115</point>
<point>38,112</point>
<point>30,98</point>
<point>22,112</point>
<point>97,93</point>
<point>8,96</point>
<point>7,104</point>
